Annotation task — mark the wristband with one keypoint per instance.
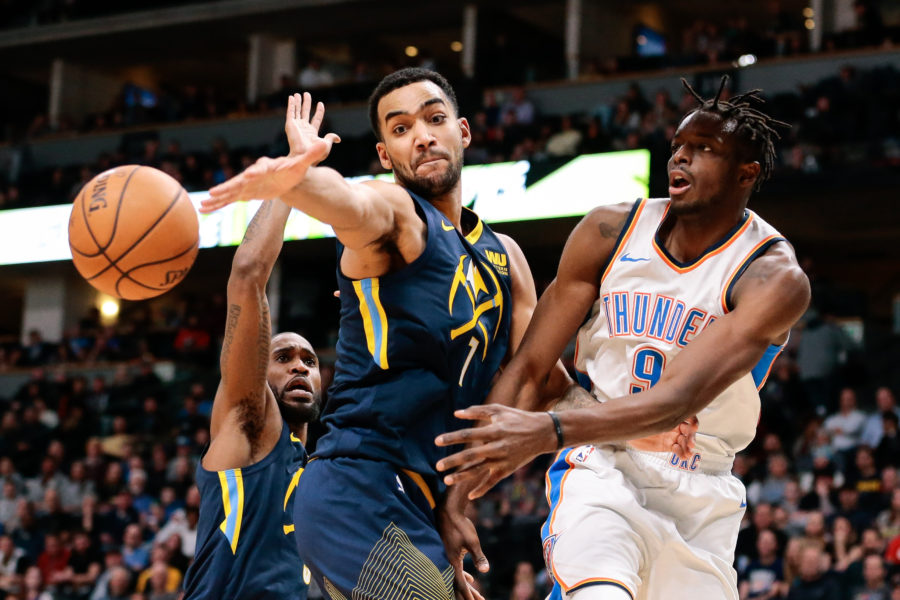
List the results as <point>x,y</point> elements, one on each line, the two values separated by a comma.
<point>558,427</point>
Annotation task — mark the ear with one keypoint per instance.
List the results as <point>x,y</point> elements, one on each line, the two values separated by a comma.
<point>381,149</point>
<point>748,173</point>
<point>466,131</point>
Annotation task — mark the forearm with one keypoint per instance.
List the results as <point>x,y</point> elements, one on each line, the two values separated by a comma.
<point>325,195</point>
<point>261,244</point>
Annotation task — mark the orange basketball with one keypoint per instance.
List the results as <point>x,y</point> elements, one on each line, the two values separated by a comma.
<point>133,232</point>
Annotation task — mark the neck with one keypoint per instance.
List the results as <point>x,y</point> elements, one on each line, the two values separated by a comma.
<point>687,236</point>
<point>299,432</point>
<point>450,205</point>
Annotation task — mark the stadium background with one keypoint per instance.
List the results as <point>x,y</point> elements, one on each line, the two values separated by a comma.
<point>103,414</point>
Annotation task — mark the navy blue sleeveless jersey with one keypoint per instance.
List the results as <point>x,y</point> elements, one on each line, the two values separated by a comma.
<point>245,536</point>
<point>417,344</point>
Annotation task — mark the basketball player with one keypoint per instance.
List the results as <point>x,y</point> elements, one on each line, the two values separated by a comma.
<point>691,298</point>
<point>270,390</point>
<point>432,301</point>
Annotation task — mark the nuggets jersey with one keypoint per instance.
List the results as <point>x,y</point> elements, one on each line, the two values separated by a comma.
<point>245,536</point>
<point>651,306</point>
<point>417,344</point>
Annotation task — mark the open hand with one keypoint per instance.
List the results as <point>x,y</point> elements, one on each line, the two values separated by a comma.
<point>509,439</point>
<point>269,178</point>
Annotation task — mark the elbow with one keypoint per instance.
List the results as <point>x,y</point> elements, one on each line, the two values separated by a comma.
<point>248,271</point>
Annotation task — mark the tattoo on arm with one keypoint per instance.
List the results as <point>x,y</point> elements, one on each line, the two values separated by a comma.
<point>234,312</point>
<point>264,209</point>
<point>575,397</point>
<point>263,341</point>
<point>612,230</point>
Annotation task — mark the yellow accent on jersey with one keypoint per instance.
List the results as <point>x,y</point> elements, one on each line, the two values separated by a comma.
<point>292,485</point>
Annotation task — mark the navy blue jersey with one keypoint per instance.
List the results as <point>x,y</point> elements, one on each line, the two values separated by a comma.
<point>417,344</point>
<point>245,536</point>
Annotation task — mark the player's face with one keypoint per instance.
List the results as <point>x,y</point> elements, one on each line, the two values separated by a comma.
<point>423,138</point>
<point>293,376</point>
<point>704,169</point>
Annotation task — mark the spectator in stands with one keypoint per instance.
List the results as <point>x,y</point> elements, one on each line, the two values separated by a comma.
<point>888,521</point>
<point>874,429</point>
<point>168,578</point>
<point>813,581</point>
<point>36,351</point>
<point>13,563</point>
<point>523,108</point>
<point>314,76</point>
<point>54,560</point>
<point>845,427</point>
<point>116,587</point>
<point>34,588</point>
<point>822,347</point>
<point>566,141</point>
<point>764,577</point>
<point>771,489</point>
<point>875,586</point>
<point>83,569</point>
<point>135,553</point>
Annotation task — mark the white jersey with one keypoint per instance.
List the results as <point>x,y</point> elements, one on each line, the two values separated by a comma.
<point>651,306</point>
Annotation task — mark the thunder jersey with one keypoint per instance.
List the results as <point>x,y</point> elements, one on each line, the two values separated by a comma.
<point>651,306</point>
<point>245,536</point>
<point>417,344</point>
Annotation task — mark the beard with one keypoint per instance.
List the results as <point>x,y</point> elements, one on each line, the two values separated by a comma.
<point>432,186</point>
<point>296,414</point>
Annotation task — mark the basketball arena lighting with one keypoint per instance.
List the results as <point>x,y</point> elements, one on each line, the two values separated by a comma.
<point>745,60</point>
<point>499,192</point>
<point>109,307</point>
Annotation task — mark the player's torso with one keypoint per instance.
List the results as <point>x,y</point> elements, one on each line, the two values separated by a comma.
<point>651,306</point>
<point>245,540</point>
<point>418,343</point>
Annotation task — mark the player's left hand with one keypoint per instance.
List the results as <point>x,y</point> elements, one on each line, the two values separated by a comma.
<point>509,439</point>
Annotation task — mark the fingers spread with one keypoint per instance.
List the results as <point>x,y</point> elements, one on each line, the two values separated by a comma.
<point>304,108</point>
<point>318,116</point>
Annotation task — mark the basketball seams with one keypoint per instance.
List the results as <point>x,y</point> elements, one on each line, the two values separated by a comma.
<point>113,263</point>
<point>112,235</point>
<point>127,274</point>
<point>87,225</point>
<point>79,200</point>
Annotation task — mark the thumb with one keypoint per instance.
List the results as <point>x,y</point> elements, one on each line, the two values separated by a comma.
<point>473,545</point>
<point>333,138</point>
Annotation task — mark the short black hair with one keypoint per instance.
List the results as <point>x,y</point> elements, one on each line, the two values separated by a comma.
<point>755,130</point>
<point>402,78</point>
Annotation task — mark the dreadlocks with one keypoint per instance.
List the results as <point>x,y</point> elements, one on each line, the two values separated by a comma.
<point>754,128</point>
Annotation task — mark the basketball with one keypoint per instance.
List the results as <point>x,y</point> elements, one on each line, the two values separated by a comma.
<point>133,232</point>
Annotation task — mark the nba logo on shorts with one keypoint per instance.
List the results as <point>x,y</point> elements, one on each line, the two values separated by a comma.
<point>583,453</point>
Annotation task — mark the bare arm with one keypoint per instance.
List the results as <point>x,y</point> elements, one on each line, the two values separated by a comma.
<point>561,309</point>
<point>769,298</point>
<point>245,420</point>
<point>524,301</point>
<point>360,213</point>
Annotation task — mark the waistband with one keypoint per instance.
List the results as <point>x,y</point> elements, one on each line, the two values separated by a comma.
<point>711,464</point>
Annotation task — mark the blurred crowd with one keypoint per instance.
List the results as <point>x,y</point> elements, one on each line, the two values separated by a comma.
<point>98,452</point>
<point>849,119</point>
<point>350,78</point>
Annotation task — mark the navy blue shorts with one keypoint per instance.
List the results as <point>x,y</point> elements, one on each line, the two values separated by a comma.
<point>366,529</point>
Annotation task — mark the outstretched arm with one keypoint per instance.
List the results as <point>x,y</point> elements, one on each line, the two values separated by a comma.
<point>769,298</point>
<point>245,421</point>
<point>359,213</point>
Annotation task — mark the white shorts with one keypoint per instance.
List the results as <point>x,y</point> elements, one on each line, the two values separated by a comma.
<point>646,522</point>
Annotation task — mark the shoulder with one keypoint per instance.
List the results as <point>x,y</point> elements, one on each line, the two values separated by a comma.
<point>608,221</point>
<point>395,194</point>
<point>778,273</point>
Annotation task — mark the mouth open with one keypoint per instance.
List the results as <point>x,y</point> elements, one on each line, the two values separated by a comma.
<point>298,388</point>
<point>678,184</point>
